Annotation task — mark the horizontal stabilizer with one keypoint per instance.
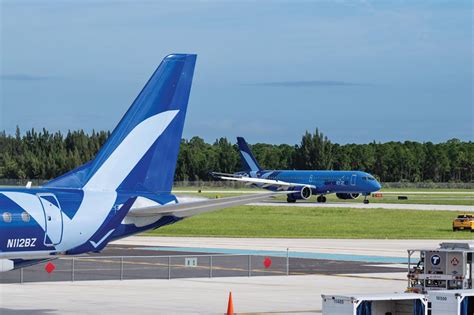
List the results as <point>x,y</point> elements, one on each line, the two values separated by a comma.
<point>220,175</point>
<point>183,210</point>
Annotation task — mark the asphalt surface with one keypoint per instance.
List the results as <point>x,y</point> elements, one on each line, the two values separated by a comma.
<point>115,263</point>
<point>352,249</point>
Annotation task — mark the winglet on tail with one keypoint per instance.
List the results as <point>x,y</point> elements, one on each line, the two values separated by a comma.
<point>141,153</point>
<point>248,159</point>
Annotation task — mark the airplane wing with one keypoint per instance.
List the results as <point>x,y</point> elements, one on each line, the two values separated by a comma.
<point>188,209</point>
<point>261,182</point>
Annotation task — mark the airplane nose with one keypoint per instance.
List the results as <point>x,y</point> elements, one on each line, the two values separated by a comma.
<point>377,185</point>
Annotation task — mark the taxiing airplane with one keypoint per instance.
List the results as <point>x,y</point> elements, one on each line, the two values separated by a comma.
<point>125,190</point>
<point>302,184</point>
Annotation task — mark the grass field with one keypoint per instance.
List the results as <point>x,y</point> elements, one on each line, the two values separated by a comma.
<point>294,222</point>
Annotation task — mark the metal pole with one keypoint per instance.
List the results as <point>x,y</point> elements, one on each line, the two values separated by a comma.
<point>446,268</point>
<point>210,266</point>
<point>72,269</point>
<point>409,266</point>
<point>121,268</point>
<point>169,267</point>
<point>21,275</point>
<point>250,266</point>
<point>424,270</point>
<point>287,261</point>
<point>157,267</point>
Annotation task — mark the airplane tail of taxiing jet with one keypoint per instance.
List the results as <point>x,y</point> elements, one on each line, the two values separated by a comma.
<point>249,162</point>
<point>141,153</point>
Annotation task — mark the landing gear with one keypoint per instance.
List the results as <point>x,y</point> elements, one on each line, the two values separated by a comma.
<point>290,200</point>
<point>321,199</point>
<point>366,201</point>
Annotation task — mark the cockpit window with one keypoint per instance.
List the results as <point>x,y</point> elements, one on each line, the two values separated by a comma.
<point>371,178</point>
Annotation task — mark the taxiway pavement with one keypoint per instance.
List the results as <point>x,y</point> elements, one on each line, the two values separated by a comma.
<point>363,247</point>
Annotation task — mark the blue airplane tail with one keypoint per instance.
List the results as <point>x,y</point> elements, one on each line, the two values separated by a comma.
<point>248,159</point>
<point>141,153</point>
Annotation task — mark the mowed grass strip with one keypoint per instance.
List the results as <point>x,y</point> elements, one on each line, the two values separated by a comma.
<point>294,222</point>
<point>430,199</point>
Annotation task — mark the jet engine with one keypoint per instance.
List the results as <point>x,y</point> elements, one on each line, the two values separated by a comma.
<point>346,196</point>
<point>304,193</point>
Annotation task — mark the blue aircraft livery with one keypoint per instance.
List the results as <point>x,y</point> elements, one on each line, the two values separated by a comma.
<point>125,190</point>
<point>302,184</point>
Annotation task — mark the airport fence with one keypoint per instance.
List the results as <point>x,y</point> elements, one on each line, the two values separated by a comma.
<point>428,185</point>
<point>91,268</point>
<point>21,182</point>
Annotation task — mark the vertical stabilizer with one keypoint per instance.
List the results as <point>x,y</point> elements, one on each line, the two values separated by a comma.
<point>141,153</point>
<point>248,159</point>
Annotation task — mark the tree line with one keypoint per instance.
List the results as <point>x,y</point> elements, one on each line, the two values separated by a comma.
<point>45,155</point>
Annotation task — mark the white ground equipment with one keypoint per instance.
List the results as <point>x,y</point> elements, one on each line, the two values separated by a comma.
<point>447,268</point>
<point>376,304</point>
<point>456,302</point>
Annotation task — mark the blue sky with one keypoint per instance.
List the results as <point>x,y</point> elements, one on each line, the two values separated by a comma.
<point>267,70</point>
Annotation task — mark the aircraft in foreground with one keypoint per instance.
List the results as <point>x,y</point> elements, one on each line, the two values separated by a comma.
<point>303,184</point>
<point>125,190</point>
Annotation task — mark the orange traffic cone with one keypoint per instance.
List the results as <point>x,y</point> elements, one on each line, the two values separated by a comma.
<point>230,305</point>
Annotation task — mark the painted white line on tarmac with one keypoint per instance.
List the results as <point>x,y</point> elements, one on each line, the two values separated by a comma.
<point>399,206</point>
